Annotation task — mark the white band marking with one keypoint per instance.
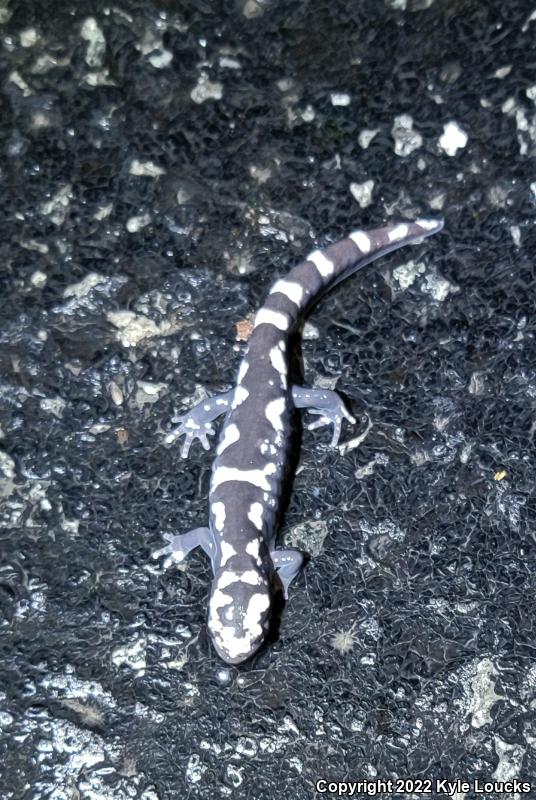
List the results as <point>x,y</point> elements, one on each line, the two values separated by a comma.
<point>274,413</point>
<point>257,477</point>
<point>323,264</point>
<point>361,240</point>
<point>255,515</point>
<point>400,232</point>
<point>231,434</point>
<point>267,317</point>
<point>292,290</point>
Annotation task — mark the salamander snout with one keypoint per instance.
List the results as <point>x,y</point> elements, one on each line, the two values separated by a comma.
<point>239,612</point>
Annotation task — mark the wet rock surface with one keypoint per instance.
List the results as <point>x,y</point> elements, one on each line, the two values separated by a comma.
<point>161,164</point>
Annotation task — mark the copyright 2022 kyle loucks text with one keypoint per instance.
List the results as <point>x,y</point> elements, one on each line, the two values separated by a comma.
<point>421,786</point>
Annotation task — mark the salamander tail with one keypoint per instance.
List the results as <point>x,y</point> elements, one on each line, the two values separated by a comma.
<point>323,269</point>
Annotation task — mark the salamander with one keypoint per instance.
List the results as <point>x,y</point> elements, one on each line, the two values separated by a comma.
<point>247,472</point>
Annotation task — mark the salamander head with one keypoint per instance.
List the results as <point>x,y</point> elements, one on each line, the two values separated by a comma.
<point>239,610</point>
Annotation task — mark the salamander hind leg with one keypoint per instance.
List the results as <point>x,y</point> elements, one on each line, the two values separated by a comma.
<point>197,422</point>
<point>327,404</point>
<point>180,544</point>
<point>288,564</point>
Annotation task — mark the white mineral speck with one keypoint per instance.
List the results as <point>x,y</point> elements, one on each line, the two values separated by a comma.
<point>482,693</point>
<point>525,123</point>
<point>58,206</point>
<point>7,465</point>
<point>38,279</point>
<point>510,760</point>
<point>146,169</point>
<point>161,58</point>
<point>362,192</point>
<point>438,287</point>
<point>406,274</point>
<point>116,393</point>
<point>195,769</point>
<point>83,287</point>
<point>310,331</point>
<point>103,212</point>
<point>206,90</point>
<point>406,138</point>
<point>340,99</point>
<point>234,775</point>
<point>53,405</point>
<point>132,654</point>
<point>93,35</point>
<point>135,224</point>
<point>530,18</point>
<point>28,37</point>
<point>476,383</point>
<point>366,136</point>
<point>502,72</point>
<point>229,63</point>
<point>133,328</point>
<point>253,8</point>
<point>515,232</point>
<point>19,81</point>
<point>437,201</point>
<point>453,138</point>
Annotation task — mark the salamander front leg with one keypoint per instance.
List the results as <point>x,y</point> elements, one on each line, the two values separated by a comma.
<point>288,564</point>
<point>326,403</point>
<point>197,422</point>
<point>180,544</point>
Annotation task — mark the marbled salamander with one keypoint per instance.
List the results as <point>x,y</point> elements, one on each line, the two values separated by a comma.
<point>248,469</point>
